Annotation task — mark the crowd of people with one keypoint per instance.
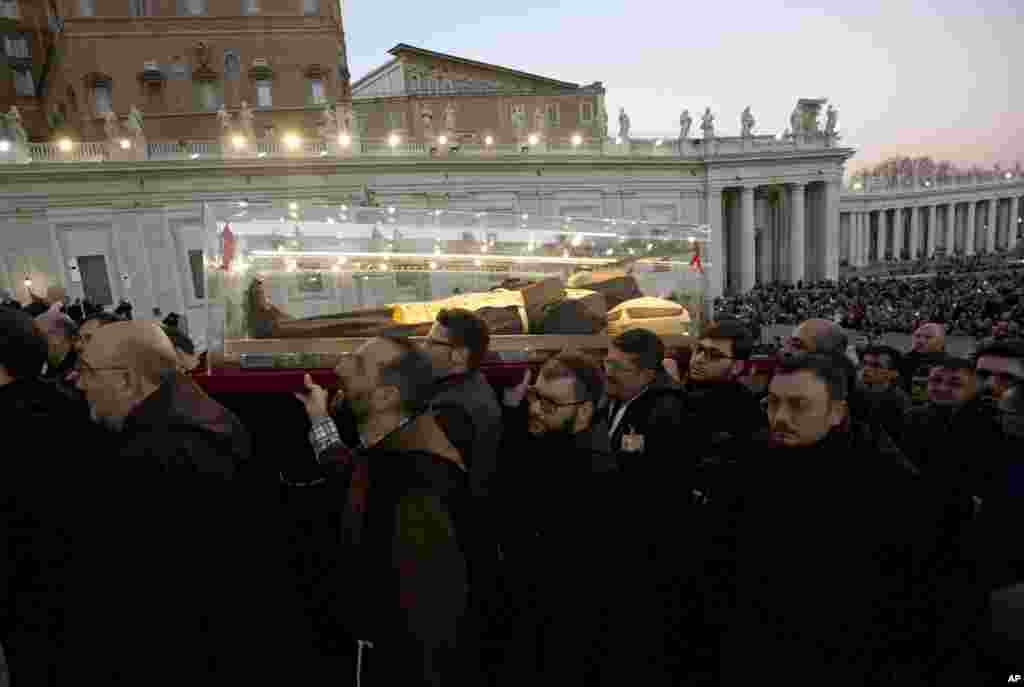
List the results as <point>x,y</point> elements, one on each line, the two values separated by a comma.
<point>970,301</point>
<point>631,519</point>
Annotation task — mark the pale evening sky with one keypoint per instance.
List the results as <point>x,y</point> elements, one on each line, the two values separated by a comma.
<point>908,77</point>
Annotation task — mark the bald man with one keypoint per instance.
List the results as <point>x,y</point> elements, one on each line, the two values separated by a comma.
<point>165,564</point>
<point>817,336</point>
<point>928,344</point>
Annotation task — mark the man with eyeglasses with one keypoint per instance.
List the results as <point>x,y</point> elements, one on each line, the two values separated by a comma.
<point>656,443</point>
<point>812,553</point>
<point>468,412</point>
<point>560,536</point>
<point>170,518</point>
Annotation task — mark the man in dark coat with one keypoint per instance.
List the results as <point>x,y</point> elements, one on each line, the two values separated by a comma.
<point>649,428</point>
<point>561,561</point>
<point>817,573</point>
<point>885,400</point>
<point>470,415</point>
<point>167,572</point>
<point>43,495</point>
<point>403,579</point>
<point>726,413</point>
<point>957,442</point>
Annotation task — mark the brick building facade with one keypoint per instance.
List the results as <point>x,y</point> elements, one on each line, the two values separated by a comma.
<point>179,61</point>
<point>409,96</point>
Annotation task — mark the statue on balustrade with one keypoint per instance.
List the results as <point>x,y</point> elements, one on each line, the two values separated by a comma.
<point>795,121</point>
<point>809,125</point>
<point>449,118</point>
<point>623,125</point>
<point>427,118</point>
<point>707,124</point>
<point>134,123</point>
<point>343,116</point>
<point>17,128</point>
<point>747,123</point>
<point>603,123</point>
<point>110,126</point>
<point>245,121</point>
<point>831,115</point>
<point>685,121</point>
<point>224,120</point>
<point>328,128</point>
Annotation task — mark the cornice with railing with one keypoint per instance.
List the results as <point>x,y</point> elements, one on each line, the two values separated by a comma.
<point>293,146</point>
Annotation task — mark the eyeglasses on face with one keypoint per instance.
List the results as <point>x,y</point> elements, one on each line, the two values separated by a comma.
<point>548,406</point>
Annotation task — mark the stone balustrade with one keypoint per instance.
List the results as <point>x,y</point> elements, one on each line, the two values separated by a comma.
<point>659,147</point>
<point>885,185</point>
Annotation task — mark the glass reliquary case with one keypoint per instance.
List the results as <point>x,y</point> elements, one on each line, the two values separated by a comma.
<point>294,284</point>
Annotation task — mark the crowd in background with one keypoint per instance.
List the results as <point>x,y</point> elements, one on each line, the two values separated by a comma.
<point>631,519</point>
<point>970,301</point>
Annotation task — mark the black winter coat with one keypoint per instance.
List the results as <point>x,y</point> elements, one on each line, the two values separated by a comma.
<point>561,535</point>
<point>817,572</point>
<point>45,501</point>
<point>162,597</point>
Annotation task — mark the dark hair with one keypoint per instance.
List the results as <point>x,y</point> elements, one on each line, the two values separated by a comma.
<point>104,318</point>
<point>645,347</point>
<point>1007,348</point>
<point>588,381</point>
<point>467,330</point>
<point>411,372</point>
<point>895,357</point>
<point>23,348</point>
<point>835,371</point>
<point>735,331</point>
<point>180,340</point>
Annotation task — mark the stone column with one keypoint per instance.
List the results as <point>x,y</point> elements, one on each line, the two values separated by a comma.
<point>950,228</point>
<point>933,233</point>
<point>865,237</point>
<point>915,232</point>
<point>991,224</point>
<point>748,270</point>
<point>797,238</point>
<point>716,246</point>
<point>853,239</point>
<point>971,218</point>
<point>831,271</point>
<point>1011,237</point>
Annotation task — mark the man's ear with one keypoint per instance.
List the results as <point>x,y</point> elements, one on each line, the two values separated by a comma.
<point>585,415</point>
<point>838,410</point>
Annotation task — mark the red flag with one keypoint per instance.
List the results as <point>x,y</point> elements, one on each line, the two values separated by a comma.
<point>228,246</point>
<point>695,262</point>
